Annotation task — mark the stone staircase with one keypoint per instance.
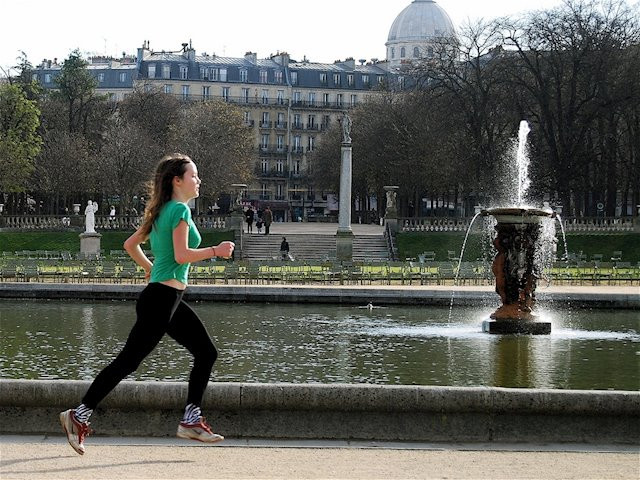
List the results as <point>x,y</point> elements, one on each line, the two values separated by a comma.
<point>315,247</point>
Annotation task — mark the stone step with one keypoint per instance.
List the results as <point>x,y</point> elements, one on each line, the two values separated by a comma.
<point>312,247</point>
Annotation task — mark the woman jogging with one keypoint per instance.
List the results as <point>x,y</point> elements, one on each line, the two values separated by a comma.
<point>160,309</point>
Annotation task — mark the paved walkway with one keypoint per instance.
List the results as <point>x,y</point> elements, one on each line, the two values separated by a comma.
<point>31,457</point>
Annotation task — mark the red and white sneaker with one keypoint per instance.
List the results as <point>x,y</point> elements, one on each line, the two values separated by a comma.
<point>200,431</point>
<point>76,431</point>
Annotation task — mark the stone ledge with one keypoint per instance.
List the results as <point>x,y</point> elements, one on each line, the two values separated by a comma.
<point>338,411</point>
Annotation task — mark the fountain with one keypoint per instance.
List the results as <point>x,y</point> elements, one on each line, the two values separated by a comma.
<point>517,265</point>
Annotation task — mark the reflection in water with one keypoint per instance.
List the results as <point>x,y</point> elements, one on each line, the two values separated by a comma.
<point>325,343</point>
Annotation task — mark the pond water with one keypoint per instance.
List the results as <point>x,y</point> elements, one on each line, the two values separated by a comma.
<point>597,349</point>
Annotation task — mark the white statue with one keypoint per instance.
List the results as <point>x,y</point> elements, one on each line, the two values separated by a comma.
<point>90,218</point>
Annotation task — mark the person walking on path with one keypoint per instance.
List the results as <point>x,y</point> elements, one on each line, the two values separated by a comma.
<point>267,218</point>
<point>160,308</point>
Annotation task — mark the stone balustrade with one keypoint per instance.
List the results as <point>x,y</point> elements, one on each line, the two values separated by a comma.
<point>102,222</point>
<point>571,224</point>
<point>600,224</point>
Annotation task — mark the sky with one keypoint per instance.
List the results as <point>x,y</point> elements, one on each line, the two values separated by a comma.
<point>321,30</point>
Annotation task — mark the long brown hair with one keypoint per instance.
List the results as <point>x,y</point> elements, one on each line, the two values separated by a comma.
<point>161,187</point>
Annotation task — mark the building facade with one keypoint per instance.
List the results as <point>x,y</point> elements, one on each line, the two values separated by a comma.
<point>287,103</point>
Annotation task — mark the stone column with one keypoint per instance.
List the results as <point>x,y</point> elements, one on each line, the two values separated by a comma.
<point>391,212</point>
<point>344,235</point>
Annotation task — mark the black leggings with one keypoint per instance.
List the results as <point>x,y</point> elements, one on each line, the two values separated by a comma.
<point>160,309</point>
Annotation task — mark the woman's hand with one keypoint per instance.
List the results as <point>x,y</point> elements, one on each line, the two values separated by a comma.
<point>224,249</point>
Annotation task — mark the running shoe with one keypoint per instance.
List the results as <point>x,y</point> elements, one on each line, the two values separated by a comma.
<point>76,431</point>
<point>200,431</point>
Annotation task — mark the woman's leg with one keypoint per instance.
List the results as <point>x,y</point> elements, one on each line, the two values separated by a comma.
<point>155,307</point>
<point>187,329</point>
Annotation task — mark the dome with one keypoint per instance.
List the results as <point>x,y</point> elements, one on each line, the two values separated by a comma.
<point>421,21</point>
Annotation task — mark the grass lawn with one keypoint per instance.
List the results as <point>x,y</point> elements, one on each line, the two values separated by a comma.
<point>410,245</point>
<point>70,241</point>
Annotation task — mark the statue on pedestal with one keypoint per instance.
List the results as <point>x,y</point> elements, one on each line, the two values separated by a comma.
<point>346,128</point>
<point>90,219</point>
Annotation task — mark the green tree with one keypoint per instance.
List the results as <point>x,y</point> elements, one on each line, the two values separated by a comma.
<point>76,88</point>
<point>214,135</point>
<point>19,140</point>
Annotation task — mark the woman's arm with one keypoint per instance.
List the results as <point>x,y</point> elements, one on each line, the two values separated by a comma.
<point>184,254</point>
<point>132,246</point>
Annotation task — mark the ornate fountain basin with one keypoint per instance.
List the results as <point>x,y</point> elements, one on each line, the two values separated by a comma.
<point>515,269</point>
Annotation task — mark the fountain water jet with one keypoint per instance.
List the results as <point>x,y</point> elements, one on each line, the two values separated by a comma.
<point>516,265</point>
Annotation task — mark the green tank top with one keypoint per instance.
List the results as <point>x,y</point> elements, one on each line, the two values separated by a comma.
<point>165,266</point>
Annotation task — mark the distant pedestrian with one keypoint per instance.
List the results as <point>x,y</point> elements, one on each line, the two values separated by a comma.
<point>248,216</point>
<point>267,218</point>
<point>284,249</point>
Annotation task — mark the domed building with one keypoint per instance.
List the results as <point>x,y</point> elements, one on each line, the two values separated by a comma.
<point>414,30</point>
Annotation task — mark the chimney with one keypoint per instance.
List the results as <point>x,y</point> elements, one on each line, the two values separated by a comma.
<point>281,58</point>
<point>251,57</point>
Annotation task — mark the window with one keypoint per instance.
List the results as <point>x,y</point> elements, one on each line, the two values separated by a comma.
<point>393,52</point>
<point>297,143</point>
<point>312,99</point>
<point>339,100</point>
<point>184,72</point>
<point>294,78</point>
<point>280,188</point>
<point>354,100</point>
<point>223,74</point>
<point>152,70</point>
<point>380,79</point>
<point>401,82</point>
<point>296,170</point>
<point>204,74</point>
<point>280,97</point>
<point>263,76</point>
<point>265,119</point>
<point>245,95</point>
<point>185,92</point>
<point>430,51</point>
<point>325,121</point>
<point>166,71</point>
<point>365,79</point>
<point>265,191</point>
<point>312,142</point>
<point>34,77</point>
<point>206,93</point>
<point>416,52</point>
<point>297,98</point>
<point>336,79</point>
<point>246,117</point>
<point>225,94</point>
<point>264,167</point>
<point>325,99</point>
<point>311,122</point>
<point>280,144</point>
<point>297,123</point>
<point>122,77</point>
<point>278,76</point>
<point>264,141</point>
<point>350,79</point>
<point>265,96</point>
<point>281,123</point>
<point>213,74</point>
<point>101,77</point>
<point>168,89</point>
<point>323,78</point>
<point>244,75</point>
<point>402,54</point>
